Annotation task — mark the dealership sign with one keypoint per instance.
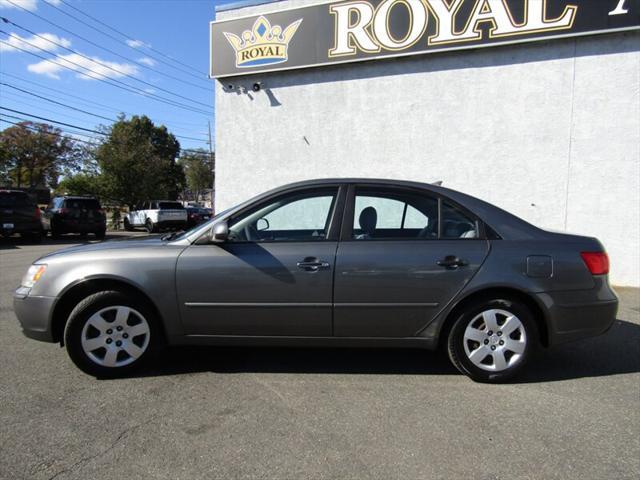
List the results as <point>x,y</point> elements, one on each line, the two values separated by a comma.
<point>358,30</point>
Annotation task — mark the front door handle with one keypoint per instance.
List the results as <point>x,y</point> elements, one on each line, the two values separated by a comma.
<point>312,264</point>
<point>451,262</point>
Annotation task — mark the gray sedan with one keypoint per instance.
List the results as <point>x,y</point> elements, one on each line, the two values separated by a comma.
<point>347,262</point>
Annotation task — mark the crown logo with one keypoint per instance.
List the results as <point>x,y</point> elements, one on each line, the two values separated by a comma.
<point>263,44</point>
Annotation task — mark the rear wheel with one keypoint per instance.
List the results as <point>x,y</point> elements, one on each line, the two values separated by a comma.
<point>127,225</point>
<point>492,340</point>
<point>151,228</point>
<point>110,334</point>
<point>100,234</point>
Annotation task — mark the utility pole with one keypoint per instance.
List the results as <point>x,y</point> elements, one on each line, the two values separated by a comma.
<point>212,163</point>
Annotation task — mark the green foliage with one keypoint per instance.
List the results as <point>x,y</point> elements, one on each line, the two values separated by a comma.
<point>138,162</point>
<point>82,184</point>
<point>35,155</point>
<point>198,170</point>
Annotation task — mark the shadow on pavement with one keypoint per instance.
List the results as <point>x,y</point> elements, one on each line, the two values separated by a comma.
<point>616,352</point>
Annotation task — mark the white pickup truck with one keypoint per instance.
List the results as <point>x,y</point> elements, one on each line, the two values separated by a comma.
<point>157,215</point>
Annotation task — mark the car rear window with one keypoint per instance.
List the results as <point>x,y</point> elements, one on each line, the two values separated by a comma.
<point>171,206</point>
<point>82,203</point>
<point>14,199</point>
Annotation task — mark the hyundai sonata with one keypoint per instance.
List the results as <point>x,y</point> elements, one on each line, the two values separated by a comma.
<point>348,262</point>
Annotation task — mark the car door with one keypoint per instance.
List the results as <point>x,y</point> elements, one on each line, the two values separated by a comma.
<point>403,255</point>
<point>274,275</point>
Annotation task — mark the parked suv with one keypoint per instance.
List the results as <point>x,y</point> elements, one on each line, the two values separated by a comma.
<point>157,215</point>
<point>75,214</point>
<point>19,214</point>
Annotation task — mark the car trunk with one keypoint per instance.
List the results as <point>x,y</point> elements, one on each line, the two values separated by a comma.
<point>83,211</point>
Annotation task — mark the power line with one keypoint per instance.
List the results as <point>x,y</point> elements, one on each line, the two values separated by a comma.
<point>112,82</point>
<point>86,101</point>
<point>86,129</point>
<point>107,49</point>
<point>96,139</point>
<point>57,103</point>
<point>129,37</point>
<point>120,72</point>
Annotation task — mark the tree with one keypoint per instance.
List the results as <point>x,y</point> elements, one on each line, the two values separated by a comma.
<point>198,170</point>
<point>35,155</point>
<point>138,162</point>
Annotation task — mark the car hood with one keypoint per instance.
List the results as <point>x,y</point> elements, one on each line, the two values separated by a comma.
<point>109,245</point>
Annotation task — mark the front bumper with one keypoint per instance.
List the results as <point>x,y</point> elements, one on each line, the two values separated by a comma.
<point>574,315</point>
<point>34,315</point>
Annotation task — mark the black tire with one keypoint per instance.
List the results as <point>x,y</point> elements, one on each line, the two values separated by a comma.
<point>127,225</point>
<point>83,234</point>
<point>80,316</point>
<point>514,362</point>
<point>151,228</point>
<point>100,234</point>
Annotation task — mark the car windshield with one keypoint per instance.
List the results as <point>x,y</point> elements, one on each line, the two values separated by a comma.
<point>171,206</point>
<point>14,199</point>
<point>82,203</point>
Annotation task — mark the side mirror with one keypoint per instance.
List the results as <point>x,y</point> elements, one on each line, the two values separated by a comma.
<point>262,224</point>
<point>219,232</point>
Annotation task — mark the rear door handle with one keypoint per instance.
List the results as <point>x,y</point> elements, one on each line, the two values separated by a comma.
<point>312,264</point>
<point>451,262</point>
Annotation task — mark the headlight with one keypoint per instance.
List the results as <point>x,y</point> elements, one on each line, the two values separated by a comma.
<point>34,274</point>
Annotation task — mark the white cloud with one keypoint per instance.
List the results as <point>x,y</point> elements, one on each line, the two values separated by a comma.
<point>33,43</point>
<point>53,67</point>
<point>149,62</point>
<point>26,4</point>
<point>137,43</point>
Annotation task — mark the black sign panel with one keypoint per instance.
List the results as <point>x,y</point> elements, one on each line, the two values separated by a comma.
<point>358,30</point>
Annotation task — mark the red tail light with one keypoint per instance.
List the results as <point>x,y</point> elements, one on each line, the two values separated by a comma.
<point>596,262</point>
<point>37,215</point>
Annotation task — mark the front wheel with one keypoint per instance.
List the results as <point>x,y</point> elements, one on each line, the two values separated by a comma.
<point>492,340</point>
<point>109,334</point>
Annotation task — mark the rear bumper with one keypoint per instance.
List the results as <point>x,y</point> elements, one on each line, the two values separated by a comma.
<point>21,227</point>
<point>69,226</point>
<point>574,315</point>
<point>171,224</point>
<point>34,316</point>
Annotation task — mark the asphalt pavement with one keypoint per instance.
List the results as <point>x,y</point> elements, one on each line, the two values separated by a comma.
<point>205,413</point>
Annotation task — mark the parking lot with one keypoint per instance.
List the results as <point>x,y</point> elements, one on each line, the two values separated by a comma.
<point>289,413</point>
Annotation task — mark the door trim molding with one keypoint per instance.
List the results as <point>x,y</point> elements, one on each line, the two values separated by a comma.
<point>254,304</point>
<point>385,305</point>
<point>312,305</point>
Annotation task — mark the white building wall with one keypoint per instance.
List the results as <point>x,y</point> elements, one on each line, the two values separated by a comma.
<point>549,131</point>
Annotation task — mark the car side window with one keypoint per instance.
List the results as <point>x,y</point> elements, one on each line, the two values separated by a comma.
<point>456,224</point>
<point>382,214</point>
<point>301,217</point>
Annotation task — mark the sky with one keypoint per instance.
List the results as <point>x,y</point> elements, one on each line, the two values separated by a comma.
<point>156,52</point>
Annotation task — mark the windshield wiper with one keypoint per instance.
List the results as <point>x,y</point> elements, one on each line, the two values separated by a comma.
<point>171,236</point>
